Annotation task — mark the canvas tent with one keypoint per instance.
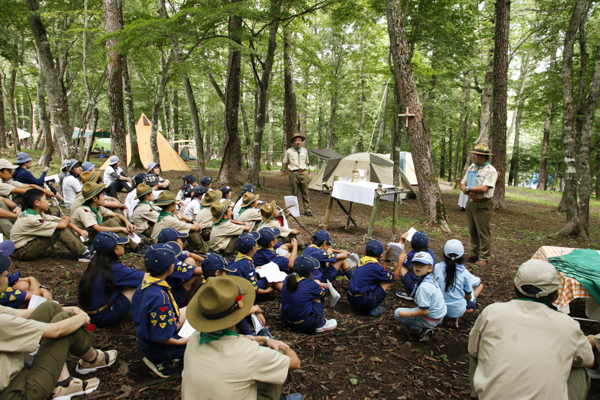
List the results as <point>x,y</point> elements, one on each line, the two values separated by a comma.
<point>379,169</point>
<point>188,153</point>
<point>22,134</point>
<point>169,159</point>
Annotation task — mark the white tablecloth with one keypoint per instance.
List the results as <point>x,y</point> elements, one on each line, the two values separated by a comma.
<point>357,192</point>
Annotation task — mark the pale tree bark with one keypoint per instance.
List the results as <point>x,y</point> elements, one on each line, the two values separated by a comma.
<point>271,131</point>
<point>486,100</point>
<point>175,113</point>
<point>443,156</point>
<point>136,161</point>
<point>333,104</point>
<point>513,175</point>
<point>163,79</point>
<point>543,181</point>
<point>502,19</point>
<point>45,131</point>
<point>189,93</point>
<point>467,123</point>
<point>246,129</point>
<point>289,101</point>
<point>362,112</point>
<point>457,153</point>
<point>57,97</point>
<point>90,144</point>
<point>2,120</point>
<point>525,67</point>
<point>429,190</point>
<point>396,134</point>
<point>88,92</point>
<point>449,156</point>
<point>383,119</point>
<point>304,112</point>
<point>12,108</point>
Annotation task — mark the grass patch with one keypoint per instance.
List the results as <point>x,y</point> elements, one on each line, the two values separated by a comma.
<point>402,224</point>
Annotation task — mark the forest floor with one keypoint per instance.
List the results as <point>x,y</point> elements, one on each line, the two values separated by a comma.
<point>365,357</point>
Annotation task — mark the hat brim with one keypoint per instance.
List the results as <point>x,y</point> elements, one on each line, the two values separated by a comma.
<point>123,240</point>
<point>481,153</point>
<point>419,262</point>
<point>209,203</point>
<point>143,194</point>
<point>95,192</point>
<point>7,247</point>
<point>202,324</point>
<point>296,136</point>
<point>256,197</point>
<point>220,216</point>
<point>273,208</point>
<point>5,264</point>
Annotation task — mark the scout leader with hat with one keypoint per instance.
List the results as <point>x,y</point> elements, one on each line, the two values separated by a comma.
<point>525,349</point>
<point>221,364</point>
<point>249,212</point>
<point>225,231</point>
<point>204,216</point>
<point>479,184</point>
<point>269,214</point>
<point>115,178</point>
<point>94,217</point>
<point>145,215</point>
<point>296,160</point>
<point>169,218</point>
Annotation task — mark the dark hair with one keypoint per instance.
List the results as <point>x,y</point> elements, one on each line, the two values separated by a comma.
<point>417,247</point>
<point>530,289</point>
<point>370,253</point>
<point>291,284</point>
<point>193,289</point>
<point>318,242</point>
<point>451,261</point>
<point>101,263</point>
<point>31,196</point>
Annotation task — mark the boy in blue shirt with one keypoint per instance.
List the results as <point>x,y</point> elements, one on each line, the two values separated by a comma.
<point>371,281</point>
<point>155,314</point>
<point>332,261</point>
<point>428,296</point>
<point>243,265</point>
<point>419,242</point>
<point>266,253</point>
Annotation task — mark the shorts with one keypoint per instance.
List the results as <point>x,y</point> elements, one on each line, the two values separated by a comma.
<point>329,274</point>
<point>310,323</point>
<point>416,323</point>
<point>369,300</point>
<point>119,308</point>
<point>410,281</point>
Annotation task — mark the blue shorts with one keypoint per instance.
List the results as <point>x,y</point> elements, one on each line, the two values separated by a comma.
<point>329,274</point>
<point>367,301</point>
<point>179,294</point>
<point>119,308</point>
<point>410,281</point>
<point>310,323</point>
<point>262,283</point>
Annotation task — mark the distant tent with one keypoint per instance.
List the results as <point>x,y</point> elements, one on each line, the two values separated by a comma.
<point>325,154</point>
<point>103,144</point>
<point>169,159</point>
<point>22,134</point>
<point>100,134</point>
<point>188,153</point>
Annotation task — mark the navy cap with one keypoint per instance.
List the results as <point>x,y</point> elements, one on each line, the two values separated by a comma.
<point>105,241</point>
<point>214,262</point>
<point>151,180</point>
<point>170,235</point>
<point>375,247</point>
<point>159,257</point>
<point>225,189</point>
<point>248,187</point>
<point>267,235</point>
<point>324,236</point>
<point>246,242</point>
<point>304,265</point>
<point>5,263</point>
<point>87,166</point>
<point>139,178</point>
<point>420,238</point>
<point>6,248</point>
<point>199,191</point>
<point>205,181</point>
<point>422,257</point>
<point>189,178</point>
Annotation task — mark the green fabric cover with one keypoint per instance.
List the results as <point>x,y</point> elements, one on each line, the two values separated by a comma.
<point>583,265</point>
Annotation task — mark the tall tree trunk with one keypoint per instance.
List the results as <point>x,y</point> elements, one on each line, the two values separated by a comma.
<point>449,156</point>
<point>57,97</point>
<point>13,107</point>
<point>383,119</point>
<point>467,124</point>
<point>321,120</point>
<point>2,120</point>
<point>246,128</point>
<point>304,112</point>
<point>271,129</point>
<point>543,181</point>
<point>333,104</point>
<point>457,153</point>
<point>45,131</point>
<point>525,67</point>
<point>289,102</point>
<point>175,113</point>
<point>90,144</point>
<point>163,79</point>
<point>502,28</point>
<point>486,100</point>
<point>189,93</point>
<point>429,190</point>
<point>513,175</point>
<point>396,134</point>
<point>443,156</point>
<point>136,161</point>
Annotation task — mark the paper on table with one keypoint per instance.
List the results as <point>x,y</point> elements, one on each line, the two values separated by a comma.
<point>281,251</point>
<point>257,325</point>
<point>333,295</point>
<point>52,178</point>
<point>411,232</point>
<point>397,248</point>
<point>353,260</point>
<point>272,272</point>
<point>292,201</point>
<point>135,238</point>
<point>35,301</point>
<point>186,330</point>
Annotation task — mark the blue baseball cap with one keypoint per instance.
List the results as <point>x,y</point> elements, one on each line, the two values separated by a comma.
<point>225,189</point>
<point>187,189</point>
<point>454,246</point>
<point>159,257</point>
<point>139,178</point>
<point>170,235</point>
<point>248,187</point>
<point>375,247</point>
<point>246,242</point>
<point>189,178</point>
<point>87,166</point>
<point>6,249</point>
<point>215,262</point>
<point>324,236</point>
<point>422,257</point>
<point>205,181</point>
<point>304,265</point>
<point>105,241</point>
<point>420,238</point>
<point>267,235</point>
<point>151,180</point>
<point>200,190</point>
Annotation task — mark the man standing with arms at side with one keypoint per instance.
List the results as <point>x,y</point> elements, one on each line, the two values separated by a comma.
<point>295,162</point>
<point>478,184</point>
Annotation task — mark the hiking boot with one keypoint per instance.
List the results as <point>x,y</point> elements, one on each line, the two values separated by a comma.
<point>377,311</point>
<point>87,256</point>
<point>292,396</point>
<point>404,295</point>
<point>103,359</point>
<point>159,369</point>
<point>308,214</point>
<point>76,387</point>
<point>425,334</point>
<point>481,263</point>
<point>330,324</point>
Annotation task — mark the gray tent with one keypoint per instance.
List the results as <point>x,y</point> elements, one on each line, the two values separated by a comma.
<point>325,154</point>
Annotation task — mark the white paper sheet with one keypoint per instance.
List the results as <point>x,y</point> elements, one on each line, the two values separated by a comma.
<point>186,330</point>
<point>462,200</point>
<point>257,325</point>
<point>272,272</point>
<point>36,301</point>
<point>292,201</point>
<point>135,238</point>
<point>397,248</point>
<point>52,178</point>
<point>333,295</point>
<point>411,232</point>
<point>281,251</point>
<point>353,260</point>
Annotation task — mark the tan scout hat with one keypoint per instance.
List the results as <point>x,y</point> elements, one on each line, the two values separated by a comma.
<point>267,211</point>
<point>211,197</point>
<point>89,177</point>
<point>91,189</point>
<point>218,210</point>
<point>539,274</point>
<point>482,149</point>
<point>249,198</point>
<point>165,197</point>
<point>301,136</point>
<point>141,190</point>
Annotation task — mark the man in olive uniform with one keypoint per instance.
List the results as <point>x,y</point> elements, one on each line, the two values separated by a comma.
<point>479,184</point>
<point>295,159</point>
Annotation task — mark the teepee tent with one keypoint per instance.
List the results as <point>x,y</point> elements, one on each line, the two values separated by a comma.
<point>169,159</point>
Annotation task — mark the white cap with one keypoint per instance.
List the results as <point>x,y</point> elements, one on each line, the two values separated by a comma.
<point>539,274</point>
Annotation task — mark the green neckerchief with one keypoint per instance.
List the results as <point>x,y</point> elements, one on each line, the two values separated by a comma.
<point>209,337</point>
<point>244,209</point>
<point>29,211</point>
<point>162,214</point>
<point>298,151</point>
<point>95,211</point>
<point>150,205</point>
<point>220,222</point>
<point>483,165</point>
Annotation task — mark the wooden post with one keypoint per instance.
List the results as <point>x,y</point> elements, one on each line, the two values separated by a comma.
<point>374,213</point>
<point>349,216</point>
<point>328,212</point>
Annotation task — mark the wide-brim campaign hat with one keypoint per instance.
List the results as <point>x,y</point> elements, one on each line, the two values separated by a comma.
<point>249,198</point>
<point>220,303</point>
<point>482,149</point>
<point>91,189</point>
<point>267,210</point>
<point>22,158</point>
<point>165,197</point>
<point>218,210</point>
<point>301,136</point>
<point>89,177</point>
<point>211,197</point>
<point>141,190</point>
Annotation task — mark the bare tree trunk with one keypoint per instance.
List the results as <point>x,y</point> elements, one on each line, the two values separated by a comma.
<point>321,120</point>
<point>304,112</point>
<point>90,145</point>
<point>2,120</point>
<point>13,107</point>
<point>467,123</point>
<point>271,129</point>
<point>189,93</point>
<point>429,190</point>
<point>246,129</point>
<point>175,113</point>
<point>443,156</point>
<point>520,97</point>
<point>289,103</point>
<point>457,154</point>
<point>333,104</point>
<point>486,100</point>
<point>160,94</point>
<point>543,181</point>
<point>513,175</point>
<point>501,41</point>
<point>136,161</point>
<point>396,134</point>
<point>46,158</point>
<point>383,119</point>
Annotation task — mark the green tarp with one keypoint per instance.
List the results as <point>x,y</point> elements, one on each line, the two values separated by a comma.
<point>583,265</point>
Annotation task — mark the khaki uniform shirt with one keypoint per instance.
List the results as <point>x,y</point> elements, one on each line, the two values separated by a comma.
<point>7,187</point>
<point>144,217</point>
<point>204,218</point>
<point>170,221</point>
<point>486,176</point>
<point>290,157</point>
<point>221,234</point>
<point>29,226</point>
<point>526,350</point>
<point>79,201</point>
<point>19,337</point>
<point>85,218</point>
<point>251,216</point>
<point>229,368</point>
<point>273,223</point>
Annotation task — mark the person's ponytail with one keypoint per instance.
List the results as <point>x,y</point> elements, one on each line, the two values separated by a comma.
<point>292,282</point>
<point>450,271</point>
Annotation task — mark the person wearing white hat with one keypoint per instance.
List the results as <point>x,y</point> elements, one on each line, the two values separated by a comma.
<point>154,168</point>
<point>115,178</point>
<point>523,349</point>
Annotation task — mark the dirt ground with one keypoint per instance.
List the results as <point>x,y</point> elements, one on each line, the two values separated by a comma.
<point>365,357</point>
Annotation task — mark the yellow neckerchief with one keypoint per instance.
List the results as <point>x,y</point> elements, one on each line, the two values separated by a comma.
<point>367,260</point>
<point>150,280</point>
<point>241,256</point>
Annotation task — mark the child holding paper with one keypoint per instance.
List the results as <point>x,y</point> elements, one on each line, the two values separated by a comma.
<point>332,261</point>
<point>419,242</point>
<point>269,214</point>
<point>302,299</point>
<point>266,253</point>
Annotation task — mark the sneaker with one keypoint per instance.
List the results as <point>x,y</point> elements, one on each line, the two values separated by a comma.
<point>87,256</point>
<point>308,214</point>
<point>159,369</point>
<point>330,324</point>
<point>103,359</point>
<point>76,387</point>
<point>452,323</point>
<point>404,295</point>
<point>425,334</point>
<point>292,396</point>
<point>377,311</point>
<point>593,373</point>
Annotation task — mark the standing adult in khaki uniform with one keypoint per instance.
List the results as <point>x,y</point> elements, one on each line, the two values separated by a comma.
<point>480,206</point>
<point>295,159</point>
<point>225,231</point>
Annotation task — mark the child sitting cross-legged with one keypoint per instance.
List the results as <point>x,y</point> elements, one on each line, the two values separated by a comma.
<point>302,299</point>
<point>431,308</point>
<point>266,253</point>
<point>155,314</point>
<point>370,281</point>
<point>333,262</point>
<point>107,286</point>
